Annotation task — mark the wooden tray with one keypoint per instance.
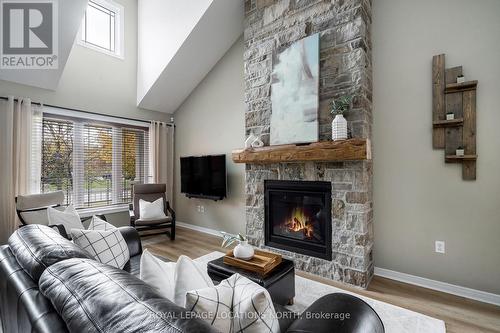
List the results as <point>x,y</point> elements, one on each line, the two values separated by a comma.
<point>262,262</point>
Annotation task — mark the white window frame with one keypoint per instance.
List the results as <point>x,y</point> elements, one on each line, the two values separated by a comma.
<point>119,30</point>
<point>78,172</point>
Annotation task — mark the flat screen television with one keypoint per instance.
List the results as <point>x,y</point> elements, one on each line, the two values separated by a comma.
<point>204,176</point>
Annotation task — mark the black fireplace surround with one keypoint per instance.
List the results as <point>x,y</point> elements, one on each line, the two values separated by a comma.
<point>298,217</point>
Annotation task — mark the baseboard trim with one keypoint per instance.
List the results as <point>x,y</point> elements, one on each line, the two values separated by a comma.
<point>198,228</point>
<point>474,294</point>
<point>448,288</point>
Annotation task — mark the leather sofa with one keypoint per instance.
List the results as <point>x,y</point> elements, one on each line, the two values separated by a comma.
<point>48,284</point>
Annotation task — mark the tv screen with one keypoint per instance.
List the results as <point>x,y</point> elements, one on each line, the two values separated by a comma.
<point>204,176</point>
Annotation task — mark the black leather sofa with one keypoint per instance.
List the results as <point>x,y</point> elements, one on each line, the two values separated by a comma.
<point>48,284</point>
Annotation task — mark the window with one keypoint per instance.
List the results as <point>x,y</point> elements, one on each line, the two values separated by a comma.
<point>93,162</point>
<point>102,27</point>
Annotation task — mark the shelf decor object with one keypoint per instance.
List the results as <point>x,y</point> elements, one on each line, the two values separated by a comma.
<point>450,94</point>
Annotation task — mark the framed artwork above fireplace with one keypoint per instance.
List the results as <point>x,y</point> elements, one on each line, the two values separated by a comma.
<point>295,93</point>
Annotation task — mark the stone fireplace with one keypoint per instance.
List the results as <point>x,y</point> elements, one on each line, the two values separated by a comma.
<point>330,235</point>
<point>298,217</point>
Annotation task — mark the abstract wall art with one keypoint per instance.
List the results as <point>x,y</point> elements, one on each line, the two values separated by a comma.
<point>294,93</point>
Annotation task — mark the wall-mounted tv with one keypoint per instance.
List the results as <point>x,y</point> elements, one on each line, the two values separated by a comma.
<point>204,176</point>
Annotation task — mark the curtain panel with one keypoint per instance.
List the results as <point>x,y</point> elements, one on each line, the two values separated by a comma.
<point>161,159</point>
<point>20,149</point>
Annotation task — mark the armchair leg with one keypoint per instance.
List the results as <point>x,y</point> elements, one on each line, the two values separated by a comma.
<point>172,231</point>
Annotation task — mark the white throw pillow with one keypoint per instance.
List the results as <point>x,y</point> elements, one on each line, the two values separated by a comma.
<point>235,305</point>
<point>108,247</point>
<point>174,280</point>
<point>188,276</point>
<point>158,274</point>
<point>69,218</point>
<point>151,210</point>
<point>99,224</point>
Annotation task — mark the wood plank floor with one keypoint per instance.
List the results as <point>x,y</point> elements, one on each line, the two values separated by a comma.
<point>459,314</point>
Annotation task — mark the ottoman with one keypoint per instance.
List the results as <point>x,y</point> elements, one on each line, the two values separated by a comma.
<point>280,282</point>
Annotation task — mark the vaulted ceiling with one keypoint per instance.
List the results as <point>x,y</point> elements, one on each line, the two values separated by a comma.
<point>179,43</point>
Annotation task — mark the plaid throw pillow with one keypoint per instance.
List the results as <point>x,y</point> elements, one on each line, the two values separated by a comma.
<point>235,305</point>
<point>108,247</point>
<point>99,224</point>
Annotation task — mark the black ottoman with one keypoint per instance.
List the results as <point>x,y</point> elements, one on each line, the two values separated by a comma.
<point>280,282</point>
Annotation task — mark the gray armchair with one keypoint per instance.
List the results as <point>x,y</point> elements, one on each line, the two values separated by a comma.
<point>150,193</point>
<point>32,209</point>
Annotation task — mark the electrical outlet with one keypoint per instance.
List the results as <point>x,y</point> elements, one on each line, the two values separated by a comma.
<point>202,209</point>
<point>440,247</point>
<point>198,208</point>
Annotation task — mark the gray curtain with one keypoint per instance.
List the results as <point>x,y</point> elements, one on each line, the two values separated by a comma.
<point>161,155</point>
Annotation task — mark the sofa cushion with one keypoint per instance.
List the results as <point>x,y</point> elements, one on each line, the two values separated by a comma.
<point>94,297</point>
<point>23,308</point>
<point>235,305</point>
<point>109,247</point>
<point>37,247</point>
<point>98,223</point>
<point>145,222</point>
<point>68,218</point>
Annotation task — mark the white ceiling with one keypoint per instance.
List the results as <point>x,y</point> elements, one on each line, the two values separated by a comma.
<point>70,16</point>
<point>179,43</point>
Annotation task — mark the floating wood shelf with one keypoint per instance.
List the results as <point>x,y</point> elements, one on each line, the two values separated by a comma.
<point>458,87</point>
<point>448,123</point>
<point>456,158</point>
<point>345,150</point>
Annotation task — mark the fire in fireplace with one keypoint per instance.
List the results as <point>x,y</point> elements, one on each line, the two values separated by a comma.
<point>298,217</point>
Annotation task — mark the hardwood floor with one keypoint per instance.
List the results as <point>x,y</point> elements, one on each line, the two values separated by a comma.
<point>459,314</point>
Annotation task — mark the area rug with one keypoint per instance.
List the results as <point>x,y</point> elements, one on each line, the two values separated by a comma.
<point>395,319</point>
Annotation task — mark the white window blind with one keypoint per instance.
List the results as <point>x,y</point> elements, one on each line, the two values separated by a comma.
<point>94,162</point>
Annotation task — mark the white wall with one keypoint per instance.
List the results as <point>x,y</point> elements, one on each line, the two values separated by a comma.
<point>94,81</point>
<point>164,26</point>
<point>212,121</point>
<point>419,198</point>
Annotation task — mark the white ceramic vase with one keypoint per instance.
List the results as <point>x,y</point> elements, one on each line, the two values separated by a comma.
<point>243,251</point>
<point>339,128</point>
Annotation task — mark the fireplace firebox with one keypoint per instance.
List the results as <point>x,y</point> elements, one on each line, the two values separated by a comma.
<point>298,217</point>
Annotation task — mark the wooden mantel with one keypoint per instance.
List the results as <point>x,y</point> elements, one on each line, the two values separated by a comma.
<point>326,151</point>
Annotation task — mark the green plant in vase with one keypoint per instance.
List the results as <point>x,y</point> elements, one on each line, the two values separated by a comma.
<point>241,251</point>
<point>339,106</point>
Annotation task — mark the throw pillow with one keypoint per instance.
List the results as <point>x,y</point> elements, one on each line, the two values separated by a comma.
<point>151,210</point>
<point>108,247</point>
<point>99,224</point>
<point>188,276</point>
<point>235,305</point>
<point>69,218</point>
<point>173,280</point>
<point>158,274</point>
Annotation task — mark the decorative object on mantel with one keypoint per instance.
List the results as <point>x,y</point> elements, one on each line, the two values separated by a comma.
<point>452,95</point>
<point>294,93</point>
<point>251,138</point>
<point>262,263</point>
<point>243,250</point>
<point>257,143</point>
<point>324,151</point>
<point>450,116</point>
<point>339,123</point>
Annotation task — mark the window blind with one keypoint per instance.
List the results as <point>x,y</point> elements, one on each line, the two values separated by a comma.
<point>95,163</point>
